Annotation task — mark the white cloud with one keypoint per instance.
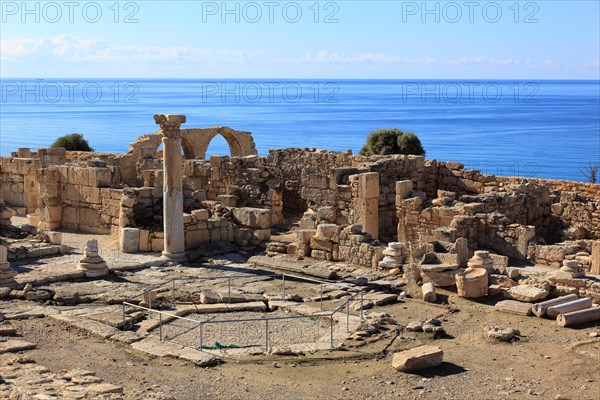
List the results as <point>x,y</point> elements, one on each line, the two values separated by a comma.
<point>464,60</point>
<point>20,47</point>
<point>590,64</point>
<point>326,56</point>
<point>73,48</point>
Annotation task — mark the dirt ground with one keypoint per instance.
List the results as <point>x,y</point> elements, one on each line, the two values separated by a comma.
<point>548,362</point>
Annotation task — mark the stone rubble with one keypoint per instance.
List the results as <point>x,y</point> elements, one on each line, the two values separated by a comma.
<point>417,358</point>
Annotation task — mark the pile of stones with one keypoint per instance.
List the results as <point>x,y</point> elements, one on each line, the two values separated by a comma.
<point>571,269</point>
<point>394,256</point>
<point>482,259</point>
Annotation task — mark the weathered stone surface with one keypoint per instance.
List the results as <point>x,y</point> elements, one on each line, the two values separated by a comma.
<point>579,317</point>
<point>256,218</point>
<point>13,346</point>
<point>209,297</point>
<point>595,258</point>
<point>429,294</point>
<point>130,240</point>
<point>514,307</point>
<point>571,306</point>
<point>526,293</point>
<point>472,283</point>
<point>38,295</point>
<point>418,358</point>
<point>495,332</point>
<point>540,309</point>
<point>440,279</point>
<point>104,388</point>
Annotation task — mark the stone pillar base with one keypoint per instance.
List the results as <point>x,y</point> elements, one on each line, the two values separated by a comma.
<point>177,257</point>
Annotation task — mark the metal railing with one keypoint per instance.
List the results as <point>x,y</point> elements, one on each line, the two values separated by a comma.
<point>196,333</point>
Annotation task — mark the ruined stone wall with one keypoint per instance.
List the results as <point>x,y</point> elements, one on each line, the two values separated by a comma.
<point>87,201</point>
<point>575,207</point>
<point>446,219</point>
<point>308,176</point>
<point>234,182</point>
<point>18,182</point>
<point>392,169</point>
<point>330,242</point>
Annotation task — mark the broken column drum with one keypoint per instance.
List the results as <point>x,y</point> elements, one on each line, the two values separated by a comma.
<point>7,274</point>
<point>472,283</point>
<point>92,264</point>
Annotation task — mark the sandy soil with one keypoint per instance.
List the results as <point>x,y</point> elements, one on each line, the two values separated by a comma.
<point>546,363</point>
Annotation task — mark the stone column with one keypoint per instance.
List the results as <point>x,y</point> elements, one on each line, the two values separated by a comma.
<point>7,275</point>
<point>366,203</point>
<point>595,257</point>
<point>172,188</point>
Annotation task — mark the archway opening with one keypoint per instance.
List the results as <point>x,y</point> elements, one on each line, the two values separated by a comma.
<point>218,146</point>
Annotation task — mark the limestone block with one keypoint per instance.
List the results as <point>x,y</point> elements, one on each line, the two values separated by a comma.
<point>472,283</point>
<point>514,307</point>
<point>502,281</point>
<point>33,219</point>
<point>227,200</point>
<point>326,231</point>
<point>368,185</point>
<point>317,243</point>
<point>256,218</point>
<point>261,234</point>
<point>440,278</point>
<point>404,189</point>
<point>418,358</point>
<point>158,244</point>
<point>130,240</point>
<point>195,238</point>
<point>88,217</point>
<point>321,255</point>
<point>500,262</point>
<point>526,293</point>
<point>144,240</point>
<point>327,213</point>
<point>55,237</point>
<point>461,248</point>
<point>201,215</point>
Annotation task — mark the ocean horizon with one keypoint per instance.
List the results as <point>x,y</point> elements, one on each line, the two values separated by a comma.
<point>532,128</point>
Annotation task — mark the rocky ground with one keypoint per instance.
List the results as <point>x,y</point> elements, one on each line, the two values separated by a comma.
<point>70,346</point>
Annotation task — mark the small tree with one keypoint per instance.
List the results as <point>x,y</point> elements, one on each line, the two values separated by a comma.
<point>409,143</point>
<point>591,172</point>
<point>391,141</point>
<point>74,141</point>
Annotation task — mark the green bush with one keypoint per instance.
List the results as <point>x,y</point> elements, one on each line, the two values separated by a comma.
<point>409,143</point>
<point>74,141</point>
<point>391,141</point>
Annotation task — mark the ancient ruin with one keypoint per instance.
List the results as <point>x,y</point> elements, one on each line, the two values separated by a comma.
<point>297,252</point>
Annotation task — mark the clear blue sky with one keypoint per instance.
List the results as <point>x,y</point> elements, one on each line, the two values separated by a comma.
<point>545,39</point>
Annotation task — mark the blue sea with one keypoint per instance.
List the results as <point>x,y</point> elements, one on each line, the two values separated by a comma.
<point>546,129</point>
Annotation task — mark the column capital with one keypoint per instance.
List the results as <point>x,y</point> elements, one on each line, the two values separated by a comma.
<point>169,124</point>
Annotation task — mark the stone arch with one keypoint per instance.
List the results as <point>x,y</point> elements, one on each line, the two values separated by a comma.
<point>195,142</point>
<point>144,145</point>
<point>188,148</point>
<point>240,143</point>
